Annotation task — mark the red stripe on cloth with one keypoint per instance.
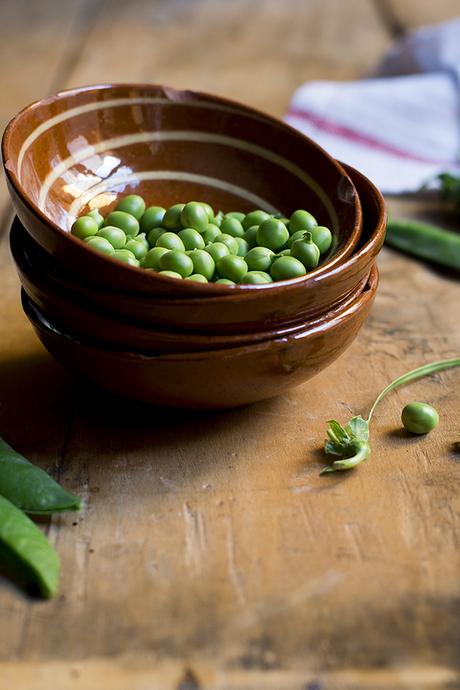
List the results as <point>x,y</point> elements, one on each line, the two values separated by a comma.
<point>359,138</point>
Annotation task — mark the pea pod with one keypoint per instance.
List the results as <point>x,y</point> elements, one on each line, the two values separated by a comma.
<point>23,543</point>
<point>425,241</point>
<point>29,487</point>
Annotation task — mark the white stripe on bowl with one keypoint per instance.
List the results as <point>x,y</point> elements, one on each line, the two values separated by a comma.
<point>204,137</point>
<point>167,175</point>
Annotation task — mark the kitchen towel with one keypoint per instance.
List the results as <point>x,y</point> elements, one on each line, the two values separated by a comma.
<point>401,127</point>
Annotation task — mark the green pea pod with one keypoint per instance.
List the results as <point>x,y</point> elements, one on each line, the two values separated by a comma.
<point>424,241</point>
<point>29,487</point>
<point>26,549</point>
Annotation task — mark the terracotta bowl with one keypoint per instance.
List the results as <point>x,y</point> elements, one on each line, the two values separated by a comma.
<point>85,147</point>
<point>212,379</point>
<point>236,314</point>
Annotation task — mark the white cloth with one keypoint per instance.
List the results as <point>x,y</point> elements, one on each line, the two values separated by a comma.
<point>400,128</point>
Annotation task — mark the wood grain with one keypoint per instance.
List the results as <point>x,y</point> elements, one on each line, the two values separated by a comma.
<point>210,554</point>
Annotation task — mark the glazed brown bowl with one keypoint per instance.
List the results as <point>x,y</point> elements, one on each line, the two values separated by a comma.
<point>213,379</point>
<point>236,314</point>
<point>84,147</point>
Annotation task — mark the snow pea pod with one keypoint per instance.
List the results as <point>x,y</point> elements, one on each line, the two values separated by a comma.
<point>29,487</point>
<point>427,242</point>
<point>23,543</point>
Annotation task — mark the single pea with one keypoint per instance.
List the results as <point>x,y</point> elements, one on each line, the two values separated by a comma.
<point>322,237</point>
<point>301,220</point>
<point>203,263</point>
<point>210,233</point>
<point>259,259</point>
<point>217,250</point>
<point>256,278</point>
<point>137,248</point>
<point>152,258</point>
<point>194,215</point>
<point>171,241</point>
<point>177,261</point>
<point>125,256</point>
<point>232,226</point>
<point>235,214</point>
<point>228,240</point>
<point>225,281</point>
<point>132,204</point>
<point>284,252</point>
<point>250,236</point>
<point>284,220</point>
<point>299,235</point>
<point>232,267</point>
<point>419,418</point>
<point>218,218</point>
<point>287,267</point>
<point>97,216</point>
<point>100,244</point>
<point>197,277</point>
<point>170,274</point>
<point>255,218</point>
<point>272,234</point>
<point>191,238</point>
<point>152,218</point>
<point>143,240</point>
<point>243,246</point>
<point>306,251</point>
<point>84,227</point>
<point>115,236</point>
<point>171,218</point>
<point>209,210</point>
<point>154,235</point>
<point>120,219</point>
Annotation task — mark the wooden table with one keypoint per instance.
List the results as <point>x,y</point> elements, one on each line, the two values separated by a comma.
<point>210,554</point>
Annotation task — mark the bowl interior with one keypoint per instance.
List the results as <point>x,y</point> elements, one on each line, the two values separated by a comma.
<point>82,148</point>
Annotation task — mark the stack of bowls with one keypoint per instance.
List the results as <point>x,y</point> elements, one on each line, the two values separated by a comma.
<point>158,339</point>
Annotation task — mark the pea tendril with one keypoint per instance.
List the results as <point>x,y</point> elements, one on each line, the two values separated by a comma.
<point>351,443</point>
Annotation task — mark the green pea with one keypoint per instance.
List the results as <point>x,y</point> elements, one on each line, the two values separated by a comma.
<point>301,220</point>
<point>84,227</point>
<point>232,226</point>
<point>137,248</point>
<point>232,267</point>
<point>225,281</point>
<point>197,277</point>
<point>177,261</point>
<point>419,418</point>
<point>255,218</point>
<point>287,267</point>
<point>195,216</point>
<point>120,219</point>
<point>218,218</point>
<point>322,237</point>
<point>306,251</point>
<point>250,236</point>
<point>132,204</point>
<point>299,235</point>
<point>171,241</point>
<point>243,246</point>
<point>170,274</point>
<point>209,210</point>
<point>154,234</point>
<point>210,233</point>
<point>96,215</point>
<point>283,220</point>
<point>115,236</point>
<point>152,258</point>
<point>284,252</point>
<point>126,256</point>
<point>229,241</point>
<point>256,278</point>
<point>203,263</point>
<point>235,214</point>
<point>143,240</point>
<point>259,259</point>
<point>272,233</point>
<point>171,219</point>
<point>100,244</point>
<point>191,238</point>
<point>217,250</point>
<point>152,218</point>
<point>26,546</point>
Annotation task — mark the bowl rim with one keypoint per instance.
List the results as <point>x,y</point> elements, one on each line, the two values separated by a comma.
<point>204,289</point>
<point>42,323</point>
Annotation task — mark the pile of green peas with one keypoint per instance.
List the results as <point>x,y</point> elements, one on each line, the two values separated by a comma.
<point>190,241</point>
